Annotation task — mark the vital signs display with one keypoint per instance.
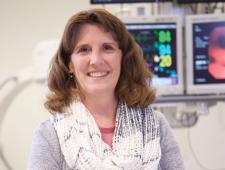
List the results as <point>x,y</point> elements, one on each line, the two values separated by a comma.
<point>160,41</point>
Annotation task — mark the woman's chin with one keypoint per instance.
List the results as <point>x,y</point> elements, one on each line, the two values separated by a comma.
<point>100,91</point>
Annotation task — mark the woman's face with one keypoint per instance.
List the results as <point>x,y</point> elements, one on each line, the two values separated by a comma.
<point>96,61</point>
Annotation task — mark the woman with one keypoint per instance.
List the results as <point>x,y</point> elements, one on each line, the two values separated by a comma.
<point>100,104</point>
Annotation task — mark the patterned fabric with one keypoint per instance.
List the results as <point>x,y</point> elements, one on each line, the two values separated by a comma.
<point>136,141</point>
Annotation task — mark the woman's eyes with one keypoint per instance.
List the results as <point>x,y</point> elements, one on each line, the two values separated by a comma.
<point>83,50</point>
<point>107,47</point>
<point>86,49</point>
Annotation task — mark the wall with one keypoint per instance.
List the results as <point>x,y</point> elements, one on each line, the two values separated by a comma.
<point>24,23</point>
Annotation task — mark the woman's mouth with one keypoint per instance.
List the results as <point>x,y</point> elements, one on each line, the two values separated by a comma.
<point>98,74</point>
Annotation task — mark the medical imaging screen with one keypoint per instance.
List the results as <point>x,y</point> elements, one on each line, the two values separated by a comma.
<point>159,45</point>
<point>209,53</point>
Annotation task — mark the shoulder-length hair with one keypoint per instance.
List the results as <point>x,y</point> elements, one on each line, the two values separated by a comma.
<point>132,86</point>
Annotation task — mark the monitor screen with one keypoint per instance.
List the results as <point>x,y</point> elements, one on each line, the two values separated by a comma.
<point>205,37</point>
<point>124,1</point>
<point>160,40</point>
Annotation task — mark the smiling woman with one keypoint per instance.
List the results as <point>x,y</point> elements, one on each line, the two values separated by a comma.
<point>96,62</point>
<point>100,104</point>
<point>131,86</point>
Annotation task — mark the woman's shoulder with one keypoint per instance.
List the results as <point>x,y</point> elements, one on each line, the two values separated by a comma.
<point>46,130</point>
<point>157,114</point>
<point>45,127</point>
<point>171,156</point>
<point>160,118</point>
<point>163,122</point>
<point>45,143</point>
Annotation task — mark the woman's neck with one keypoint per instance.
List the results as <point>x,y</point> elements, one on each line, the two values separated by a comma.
<point>103,109</point>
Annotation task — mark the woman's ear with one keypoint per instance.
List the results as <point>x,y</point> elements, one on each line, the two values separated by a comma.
<point>71,68</point>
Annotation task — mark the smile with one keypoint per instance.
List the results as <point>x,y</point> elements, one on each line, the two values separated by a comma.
<point>98,74</point>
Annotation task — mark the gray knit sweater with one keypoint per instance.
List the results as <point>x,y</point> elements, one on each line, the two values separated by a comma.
<point>46,154</point>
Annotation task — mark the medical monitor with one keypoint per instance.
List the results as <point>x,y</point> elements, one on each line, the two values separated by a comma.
<point>205,46</point>
<point>124,1</point>
<point>160,38</point>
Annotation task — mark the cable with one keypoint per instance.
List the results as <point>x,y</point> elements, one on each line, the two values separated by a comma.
<point>195,156</point>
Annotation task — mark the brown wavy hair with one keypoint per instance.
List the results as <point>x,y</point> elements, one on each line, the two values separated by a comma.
<point>132,86</point>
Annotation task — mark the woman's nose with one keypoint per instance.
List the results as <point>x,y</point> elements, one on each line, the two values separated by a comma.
<point>96,58</point>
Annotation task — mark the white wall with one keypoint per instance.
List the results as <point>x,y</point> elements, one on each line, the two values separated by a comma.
<point>24,23</point>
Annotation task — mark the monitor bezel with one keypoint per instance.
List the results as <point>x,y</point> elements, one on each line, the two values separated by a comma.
<point>128,1</point>
<point>171,89</point>
<point>198,1</point>
<point>192,88</point>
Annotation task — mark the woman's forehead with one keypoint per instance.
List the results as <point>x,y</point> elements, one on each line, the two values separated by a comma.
<point>89,29</point>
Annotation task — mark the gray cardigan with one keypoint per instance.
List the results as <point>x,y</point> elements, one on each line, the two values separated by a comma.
<point>46,154</point>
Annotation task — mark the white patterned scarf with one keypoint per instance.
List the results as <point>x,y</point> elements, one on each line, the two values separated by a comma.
<point>135,145</point>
